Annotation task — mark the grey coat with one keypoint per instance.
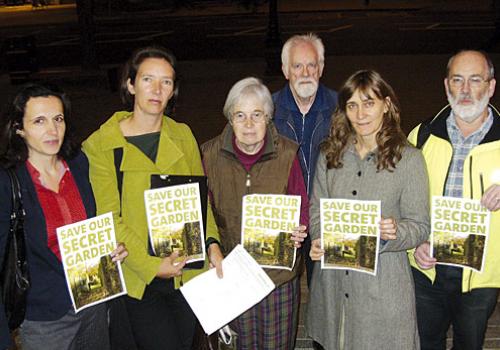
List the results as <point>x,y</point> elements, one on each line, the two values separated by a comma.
<point>375,312</point>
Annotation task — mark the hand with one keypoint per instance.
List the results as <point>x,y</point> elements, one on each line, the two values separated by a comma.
<point>169,268</point>
<point>388,229</point>
<point>215,258</point>
<point>423,258</point>
<point>316,252</point>
<point>120,253</point>
<point>491,198</point>
<point>298,235</point>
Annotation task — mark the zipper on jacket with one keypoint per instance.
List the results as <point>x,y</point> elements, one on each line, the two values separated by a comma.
<point>481,182</point>
<point>248,183</point>
<point>303,125</point>
<point>470,179</point>
<point>447,173</point>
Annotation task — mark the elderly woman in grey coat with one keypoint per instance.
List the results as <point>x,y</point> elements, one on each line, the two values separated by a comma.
<point>366,157</point>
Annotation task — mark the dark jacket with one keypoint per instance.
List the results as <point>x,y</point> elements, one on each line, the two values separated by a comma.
<point>228,179</point>
<point>285,110</point>
<point>48,296</point>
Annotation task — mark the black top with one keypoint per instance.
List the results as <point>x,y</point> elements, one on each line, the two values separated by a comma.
<point>147,143</point>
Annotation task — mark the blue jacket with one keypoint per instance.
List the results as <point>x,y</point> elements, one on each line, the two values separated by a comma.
<point>286,110</point>
<point>48,297</point>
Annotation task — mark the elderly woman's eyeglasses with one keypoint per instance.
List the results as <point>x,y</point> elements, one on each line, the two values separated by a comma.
<point>256,116</point>
<point>474,81</point>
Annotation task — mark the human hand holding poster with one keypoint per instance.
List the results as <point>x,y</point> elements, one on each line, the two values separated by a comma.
<point>175,221</point>
<point>350,234</point>
<point>267,225</point>
<point>460,229</point>
<point>91,275</point>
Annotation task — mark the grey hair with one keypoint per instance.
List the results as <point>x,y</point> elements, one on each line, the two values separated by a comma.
<point>491,68</point>
<point>248,87</point>
<point>310,38</point>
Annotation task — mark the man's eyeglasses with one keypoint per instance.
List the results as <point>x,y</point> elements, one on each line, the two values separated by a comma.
<point>257,117</point>
<point>474,81</point>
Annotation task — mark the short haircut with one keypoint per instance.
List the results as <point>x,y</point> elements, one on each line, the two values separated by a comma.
<point>249,87</point>
<point>13,148</point>
<point>491,68</point>
<point>310,38</point>
<point>131,68</point>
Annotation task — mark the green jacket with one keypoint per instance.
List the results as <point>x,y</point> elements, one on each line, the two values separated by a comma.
<point>482,161</point>
<point>178,154</point>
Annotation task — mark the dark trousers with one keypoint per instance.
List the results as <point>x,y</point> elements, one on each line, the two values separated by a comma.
<point>84,330</point>
<point>306,248</point>
<point>443,303</point>
<point>162,319</point>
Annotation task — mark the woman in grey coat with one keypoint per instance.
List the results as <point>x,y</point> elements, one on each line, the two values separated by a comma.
<point>366,157</point>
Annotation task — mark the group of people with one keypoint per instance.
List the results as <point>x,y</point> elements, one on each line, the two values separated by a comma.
<point>304,140</point>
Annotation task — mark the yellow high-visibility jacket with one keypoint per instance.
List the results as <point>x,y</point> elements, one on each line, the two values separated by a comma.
<point>482,165</point>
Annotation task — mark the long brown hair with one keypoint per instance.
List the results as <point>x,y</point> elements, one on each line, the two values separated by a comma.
<point>390,139</point>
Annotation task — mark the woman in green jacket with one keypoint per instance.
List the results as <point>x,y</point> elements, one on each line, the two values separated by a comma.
<point>152,143</point>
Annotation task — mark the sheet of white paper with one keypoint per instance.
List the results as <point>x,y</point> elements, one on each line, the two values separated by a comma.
<point>216,302</point>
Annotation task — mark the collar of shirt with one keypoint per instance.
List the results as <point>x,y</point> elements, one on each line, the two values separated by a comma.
<point>248,160</point>
<point>370,156</point>
<point>35,174</point>
<point>316,105</point>
<point>456,136</point>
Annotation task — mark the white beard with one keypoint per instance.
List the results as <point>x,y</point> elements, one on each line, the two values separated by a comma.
<point>306,90</point>
<point>471,112</point>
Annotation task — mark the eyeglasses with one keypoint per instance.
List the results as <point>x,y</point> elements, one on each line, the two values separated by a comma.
<point>474,82</point>
<point>257,117</point>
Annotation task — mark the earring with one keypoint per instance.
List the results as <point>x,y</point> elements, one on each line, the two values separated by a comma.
<point>19,132</point>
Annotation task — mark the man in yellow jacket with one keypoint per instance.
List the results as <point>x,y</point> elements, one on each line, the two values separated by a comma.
<point>461,146</point>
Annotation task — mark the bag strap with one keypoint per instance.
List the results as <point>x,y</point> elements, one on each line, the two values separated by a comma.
<point>118,156</point>
<point>17,214</point>
<point>16,232</point>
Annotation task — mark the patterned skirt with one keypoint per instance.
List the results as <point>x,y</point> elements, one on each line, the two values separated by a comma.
<point>272,323</point>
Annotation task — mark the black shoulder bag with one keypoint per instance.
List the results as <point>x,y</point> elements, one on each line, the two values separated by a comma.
<point>14,272</point>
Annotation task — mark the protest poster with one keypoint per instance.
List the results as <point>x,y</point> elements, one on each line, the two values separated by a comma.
<point>91,275</point>
<point>459,232</point>
<point>175,221</point>
<point>350,234</point>
<point>267,224</point>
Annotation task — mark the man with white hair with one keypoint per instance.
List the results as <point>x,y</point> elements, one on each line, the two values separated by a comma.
<point>303,108</point>
<point>461,146</point>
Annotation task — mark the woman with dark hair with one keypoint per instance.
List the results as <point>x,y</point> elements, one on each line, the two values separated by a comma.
<point>366,157</point>
<point>131,69</point>
<point>151,143</point>
<point>53,174</point>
